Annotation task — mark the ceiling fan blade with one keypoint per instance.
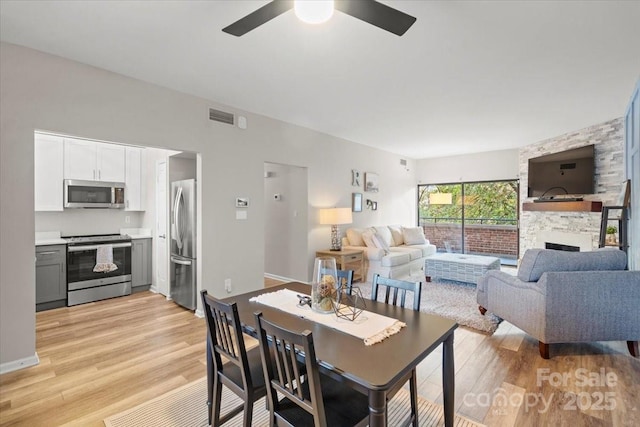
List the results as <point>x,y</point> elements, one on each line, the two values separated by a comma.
<point>377,14</point>
<point>253,20</point>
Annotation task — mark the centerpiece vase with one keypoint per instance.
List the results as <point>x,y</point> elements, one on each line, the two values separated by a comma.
<point>324,285</point>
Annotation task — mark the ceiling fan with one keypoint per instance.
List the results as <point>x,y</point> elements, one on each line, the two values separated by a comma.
<point>371,11</point>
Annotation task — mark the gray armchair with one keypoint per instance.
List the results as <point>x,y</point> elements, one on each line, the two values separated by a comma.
<point>560,297</point>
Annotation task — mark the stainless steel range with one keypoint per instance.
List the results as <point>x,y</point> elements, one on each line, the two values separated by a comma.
<point>98,267</point>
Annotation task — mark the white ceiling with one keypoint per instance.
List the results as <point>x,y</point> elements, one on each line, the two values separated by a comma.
<point>468,76</point>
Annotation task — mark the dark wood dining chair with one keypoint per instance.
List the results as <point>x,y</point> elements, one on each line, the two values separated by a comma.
<point>317,400</point>
<point>395,293</point>
<point>242,370</point>
<point>396,288</point>
<point>345,279</point>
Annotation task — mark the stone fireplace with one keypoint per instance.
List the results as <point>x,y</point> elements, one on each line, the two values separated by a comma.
<point>579,229</point>
<point>582,241</point>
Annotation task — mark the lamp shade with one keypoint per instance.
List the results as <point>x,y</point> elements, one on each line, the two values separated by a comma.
<point>335,216</point>
<point>440,198</point>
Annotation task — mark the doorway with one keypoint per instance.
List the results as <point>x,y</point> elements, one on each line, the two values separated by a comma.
<point>285,232</point>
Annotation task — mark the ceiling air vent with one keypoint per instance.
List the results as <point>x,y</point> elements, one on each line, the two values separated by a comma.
<point>220,116</point>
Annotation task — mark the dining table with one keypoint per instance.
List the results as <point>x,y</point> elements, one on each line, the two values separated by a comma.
<point>372,369</point>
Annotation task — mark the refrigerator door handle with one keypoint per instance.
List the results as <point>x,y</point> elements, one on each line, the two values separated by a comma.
<point>177,218</point>
<point>179,261</point>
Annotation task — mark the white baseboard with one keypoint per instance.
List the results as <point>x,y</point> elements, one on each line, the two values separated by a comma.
<point>19,364</point>
<point>199,313</point>
<point>153,289</point>
<point>281,278</point>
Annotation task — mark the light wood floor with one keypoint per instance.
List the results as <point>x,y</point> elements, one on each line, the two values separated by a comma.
<point>102,358</point>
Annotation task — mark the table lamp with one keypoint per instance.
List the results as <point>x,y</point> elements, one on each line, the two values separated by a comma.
<point>335,217</point>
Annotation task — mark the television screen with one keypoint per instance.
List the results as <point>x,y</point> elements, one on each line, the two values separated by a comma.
<point>566,172</point>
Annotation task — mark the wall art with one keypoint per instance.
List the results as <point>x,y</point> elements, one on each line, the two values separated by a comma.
<point>356,202</point>
<point>371,182</point>
<point>242,202</point>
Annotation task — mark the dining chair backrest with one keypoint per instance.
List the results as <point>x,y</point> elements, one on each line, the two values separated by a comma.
<point>396,288</point>
<point>345,280</point>
<point>225,336</point>
<point>284,375</point>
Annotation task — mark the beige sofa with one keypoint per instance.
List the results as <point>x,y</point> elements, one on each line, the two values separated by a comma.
<point>392,251</point>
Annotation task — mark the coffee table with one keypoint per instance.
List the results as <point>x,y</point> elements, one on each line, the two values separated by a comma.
<point>460,267</point>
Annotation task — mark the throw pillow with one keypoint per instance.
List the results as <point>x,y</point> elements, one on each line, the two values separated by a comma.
<point>396,233</point>
<point>367,237</point>
<point>413,236</point>
<point>380,243</point>
<point>384,233</point>
<point>355,236</point>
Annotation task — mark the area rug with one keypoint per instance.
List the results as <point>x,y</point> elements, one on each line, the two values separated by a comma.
<point>450,299</point>
<point>187,407</point>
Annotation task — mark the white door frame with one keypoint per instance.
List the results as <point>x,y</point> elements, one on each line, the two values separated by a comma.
<point>161,239</point>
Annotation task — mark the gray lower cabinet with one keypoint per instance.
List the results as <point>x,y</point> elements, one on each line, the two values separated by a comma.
<point>140,264</point>
<point>51,277</point>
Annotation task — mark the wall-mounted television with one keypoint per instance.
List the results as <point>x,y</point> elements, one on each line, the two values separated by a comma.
<point>567,172</point>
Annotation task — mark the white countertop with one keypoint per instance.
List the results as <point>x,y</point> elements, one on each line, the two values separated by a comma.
<point>49,238</point>
<point>137,233</point>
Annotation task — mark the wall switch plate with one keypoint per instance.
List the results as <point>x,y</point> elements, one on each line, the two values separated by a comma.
<point>227,285</point>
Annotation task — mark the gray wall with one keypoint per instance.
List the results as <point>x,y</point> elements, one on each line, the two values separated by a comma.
<point>181,168</point>
<point>43,92</point>
<point>486,166</point>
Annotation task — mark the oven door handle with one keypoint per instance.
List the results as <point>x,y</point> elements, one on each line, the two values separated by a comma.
<point>94,247</point>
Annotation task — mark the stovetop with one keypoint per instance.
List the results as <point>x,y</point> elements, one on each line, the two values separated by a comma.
<point>97,238</point>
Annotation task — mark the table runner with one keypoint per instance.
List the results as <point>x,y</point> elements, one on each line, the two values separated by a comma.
<point>370,327</point>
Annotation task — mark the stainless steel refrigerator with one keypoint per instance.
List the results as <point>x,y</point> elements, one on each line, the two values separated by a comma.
<point>183,243</point>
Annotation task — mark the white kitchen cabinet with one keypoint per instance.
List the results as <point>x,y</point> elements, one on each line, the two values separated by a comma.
<point>48,174</point>
<point>93,161</point>
<point>110,161</point>
<point>80,159</point>
<point>134,190</point>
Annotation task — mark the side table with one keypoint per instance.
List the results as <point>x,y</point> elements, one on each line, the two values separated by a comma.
<point>347,260</point>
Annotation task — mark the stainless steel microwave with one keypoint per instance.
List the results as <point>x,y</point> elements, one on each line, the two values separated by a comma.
<point>93,194</point>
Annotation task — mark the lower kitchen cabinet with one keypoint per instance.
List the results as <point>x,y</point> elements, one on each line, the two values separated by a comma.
<point>140,265</point>
<point>51,277</point>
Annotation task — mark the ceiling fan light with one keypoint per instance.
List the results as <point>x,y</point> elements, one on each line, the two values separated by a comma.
<point>313,11</point>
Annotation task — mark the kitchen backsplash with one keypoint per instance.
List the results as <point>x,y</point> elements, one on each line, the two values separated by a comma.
<point>76,222</point>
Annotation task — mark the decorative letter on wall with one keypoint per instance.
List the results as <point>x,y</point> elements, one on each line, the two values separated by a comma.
<point>355,178</point>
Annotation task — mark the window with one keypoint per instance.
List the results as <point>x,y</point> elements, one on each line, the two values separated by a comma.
<point>478,218</point>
